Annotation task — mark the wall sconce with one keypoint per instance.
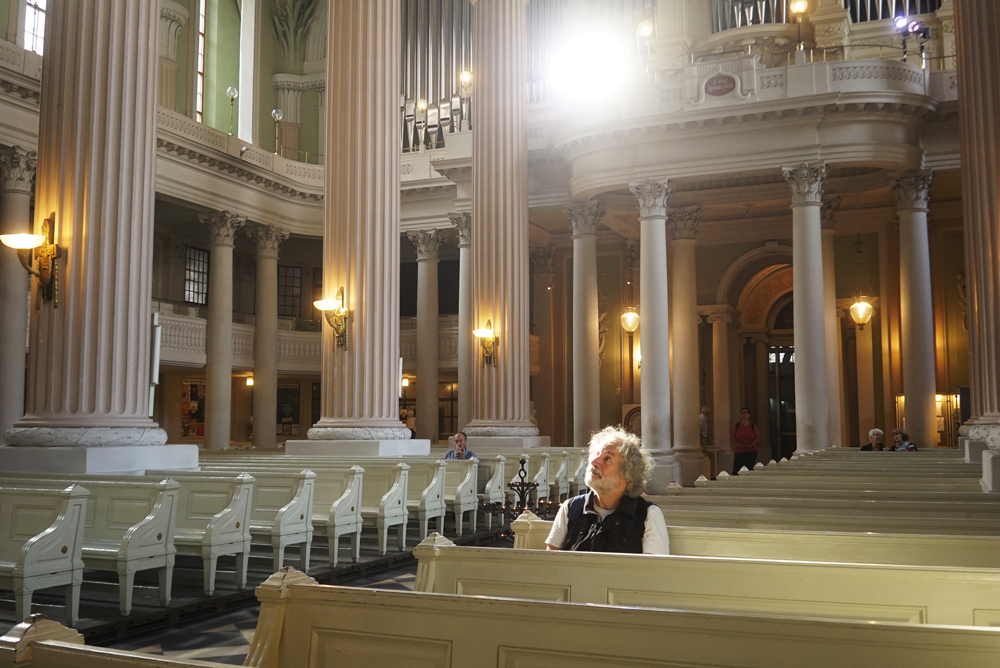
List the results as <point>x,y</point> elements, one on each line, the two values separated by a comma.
<point>406,382</point>
<point>488,340</point>
<point>336,314</point>
<point>46,252</point>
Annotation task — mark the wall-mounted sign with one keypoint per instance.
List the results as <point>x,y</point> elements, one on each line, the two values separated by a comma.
<point>720,84</point>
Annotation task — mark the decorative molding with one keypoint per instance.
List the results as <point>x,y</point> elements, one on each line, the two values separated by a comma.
<point>885,72</point>
<point>541,259</point>
<point>17,169</point>
<point>831,205</point>
<point>806,183</point>
<point>427,243</point>
<point>653,197</point>
<point>683,222</point>
<point>222,226</point>
<point>292,19</point>
<point>463,223</point>
<point>268,239</point>
<point>912,188</point>
<point>583,217</point>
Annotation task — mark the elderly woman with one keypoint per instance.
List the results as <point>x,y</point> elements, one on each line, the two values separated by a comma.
<point>875,439</point>
<point>901,441</point>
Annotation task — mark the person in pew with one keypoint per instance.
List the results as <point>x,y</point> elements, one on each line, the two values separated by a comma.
<point>612,516</point>
<point>461,450</point>
<point>875,438</point>
<point>901,442</point>
<point>746,438</point>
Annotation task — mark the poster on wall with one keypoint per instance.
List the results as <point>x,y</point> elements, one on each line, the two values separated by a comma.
<point>193,407</point>
<point>632,418</point>
<point>288,410</point>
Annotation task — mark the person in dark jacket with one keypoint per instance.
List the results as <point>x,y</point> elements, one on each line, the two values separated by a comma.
<point>875,438</point>
<point>612,516</point>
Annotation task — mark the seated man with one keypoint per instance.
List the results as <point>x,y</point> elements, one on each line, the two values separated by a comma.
<point>612,516</point>
<point>460,451</point>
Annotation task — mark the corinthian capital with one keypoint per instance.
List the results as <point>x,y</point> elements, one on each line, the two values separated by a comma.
<point>268,238</point>
<point>653,197</point>
<point>462,223</point>
<point>683,223</point>
<point>911,188</point>
<point>222,226</point>
<point>17,169</point>
<point>428,243</point>
<point>583,216</point>
<point>806,183</point>
<point>541,260</point>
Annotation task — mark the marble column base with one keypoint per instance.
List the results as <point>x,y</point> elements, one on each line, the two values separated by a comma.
<point>500,431</point>
<point>360,448</point>
<point>85,436</point>
<point>667,470</point>
<point>692,464</point>
<point>503,443</point>
<point>111,459</point>
<point>986,433</point>
<point>991,472</point>
<point>359,433</point>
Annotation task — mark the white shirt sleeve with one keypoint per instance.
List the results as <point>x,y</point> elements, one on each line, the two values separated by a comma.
<point>655,539</point>
<point>559,526</point>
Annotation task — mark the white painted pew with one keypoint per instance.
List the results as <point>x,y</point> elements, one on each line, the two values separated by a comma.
<point>884,475</point>
<point>874,494</point>
<point>281,513</point>
<point>129,526</point>
<point>863,592</point>
<point>848,484</point>
<point>41,544</point>
<point>530,532</point>
<point>492,483</point>
<point>804,503</point>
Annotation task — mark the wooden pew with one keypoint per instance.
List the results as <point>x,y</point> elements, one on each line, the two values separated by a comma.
<point>306,624</point>
<point>863,592</point>
<point>804,503</point>
<point>846,484</point>
<point>530,532</point>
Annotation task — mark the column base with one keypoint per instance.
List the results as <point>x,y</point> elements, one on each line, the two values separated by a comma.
<point>991,472</point>
<point>76,437</point>
<point>358,433</point>
<point>973,450</point>
<point>502,443</point>
<point>359,448</point>
<point>500,431</point>
<point>667,469</point>
<point>692,465</point>
<point>111,459</point>
<point>986,433</point>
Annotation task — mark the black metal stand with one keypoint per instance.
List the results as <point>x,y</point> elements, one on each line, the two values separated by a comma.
<point>522,488</point>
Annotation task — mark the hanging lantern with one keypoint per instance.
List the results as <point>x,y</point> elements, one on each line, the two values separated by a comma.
<point>630,319</point>
<point>861,311</point>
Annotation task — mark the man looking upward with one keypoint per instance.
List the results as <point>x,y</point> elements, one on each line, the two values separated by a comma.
<point>612,516</point>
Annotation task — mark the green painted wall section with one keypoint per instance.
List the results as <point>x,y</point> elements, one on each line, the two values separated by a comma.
<point>222,62</point>
<point>309,136</point>
<point>4,15</point>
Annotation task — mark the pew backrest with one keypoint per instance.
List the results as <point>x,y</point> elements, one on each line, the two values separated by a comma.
<point>43,529</point>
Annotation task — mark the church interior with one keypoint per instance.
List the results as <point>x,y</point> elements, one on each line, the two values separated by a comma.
<point>761,235</point>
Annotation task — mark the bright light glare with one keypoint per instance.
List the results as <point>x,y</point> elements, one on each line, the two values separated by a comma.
<point>483,333</point>
<point>900,22</point>
<point>326,304</point>
<point>645,29</point>
<point>799,6</point>
<point>589,67</point>
<point>22,241</point>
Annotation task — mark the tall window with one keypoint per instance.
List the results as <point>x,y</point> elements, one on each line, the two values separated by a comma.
<point>34,26</point>
<point>289,291</point>
<point>196,276</point>
<point>199,92</point>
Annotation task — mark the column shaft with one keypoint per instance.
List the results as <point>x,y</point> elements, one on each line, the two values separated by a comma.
<point>866,382</point>
<point>428,244</point>
<point>831,324</point>
<point>265,336</point>
<point>721,407</point>
<point>466,341</point>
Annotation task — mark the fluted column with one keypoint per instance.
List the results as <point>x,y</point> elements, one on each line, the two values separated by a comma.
<point>762,413</point>
<point>500,208</point>
<point>265,334</point>
<point>583,219</point>
<point>722,412</point>
<point>428,243</point>
<point>655,327</point>
<point>89,359</point>
<point>541,269</point>
<point>173,17</point>
<point>682,226</point>
<point>811,412</point>
<point>916,308</point>
<point>831,324</point>
<point>466,341</point>
<point>977,26</point>
<point>17,173</point>
<point>288,91</point>
<point>361,231</point>
<point>222,227</point>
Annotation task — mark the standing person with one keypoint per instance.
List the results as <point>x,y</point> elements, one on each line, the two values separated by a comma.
<point>901,441</point>
<point>746,438</point>
<point>703,424</point>
<point>875,438</point>
<point>460,450</point>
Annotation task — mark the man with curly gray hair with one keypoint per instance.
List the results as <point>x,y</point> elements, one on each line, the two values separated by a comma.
<point>612,516</point>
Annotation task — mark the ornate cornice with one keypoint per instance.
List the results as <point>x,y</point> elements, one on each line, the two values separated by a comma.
<point>831,205</point>
<point>683,223</point>
<point>427,242</point>
<point>806,183</point>
<point>17,169</point>
<point>268,239</point>
<point>653,197</point>
<point>541,260</point>
<point>583,217</point>
<point>463,223</point>
<point>222,226</point>
<point>912,188</point>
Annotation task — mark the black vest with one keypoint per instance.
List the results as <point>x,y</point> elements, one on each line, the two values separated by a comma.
<point>621,531</point>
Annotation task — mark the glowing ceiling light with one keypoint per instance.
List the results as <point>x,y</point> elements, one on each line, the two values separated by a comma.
<point>589,67</point>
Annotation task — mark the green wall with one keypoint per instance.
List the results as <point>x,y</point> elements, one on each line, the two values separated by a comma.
<point>222,62</point>
<point>4,15</point>
<point>268,63</point>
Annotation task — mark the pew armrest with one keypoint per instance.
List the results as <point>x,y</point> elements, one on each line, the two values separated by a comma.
<point>232,523</point>
<point>347,509</point>
<point>60,546</point>
<point>296,515</point>
<point>154,535</point>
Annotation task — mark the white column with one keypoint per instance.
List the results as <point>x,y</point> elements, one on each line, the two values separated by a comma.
<point>541,269</point>
<point>361,234</point>
<point>683,225</point>
<point>463,224</point>
<point>428,245</point>
<point>722,413</point>
<point>866,381</point>
<point>762,415</point>
<point>831,322</point>
<point>583,219</point>
<point>90,355</point>
<point>811,413</point>
<point>222,228</point>
<point>288,89</point>
<point>17,173</point>
<point>500,208</point>
<point>978,58</point>
<point>916,308</point>
<point>265,335</point>
<point>173,17</point>
<point>655,328</point>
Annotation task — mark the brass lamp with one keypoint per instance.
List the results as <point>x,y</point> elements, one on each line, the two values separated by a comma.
<point>630,319</point>
<point>46,252</point>
<point>861,311</point>
<point>798,8</point>
<point>336,314</point>
<point>488,340</point>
